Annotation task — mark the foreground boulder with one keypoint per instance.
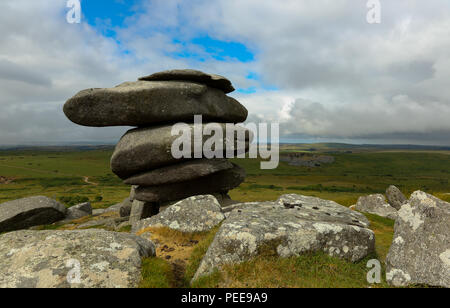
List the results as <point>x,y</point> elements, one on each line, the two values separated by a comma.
<point>420,251</point>
<point>146,103</point>
<point>44,259</point>
<point>211,80</point>
<point>144,149</point>
<point>376,204</point>
<point>291,226</point>
<point>79,211</point>
<point>395,197</point>
<point>195,214</point>
<point>29,212</point>
<point>222,181</point>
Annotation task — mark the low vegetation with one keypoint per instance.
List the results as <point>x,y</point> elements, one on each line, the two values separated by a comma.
<point>62,176</point>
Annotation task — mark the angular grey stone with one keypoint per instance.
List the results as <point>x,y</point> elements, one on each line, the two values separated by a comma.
<point>144,149</point>
<point>79,211</point>
<point>141,210</point>
<point>85,207</point>
<point>222,181</point>
<point>376,204</point>
<point>194,214</point>
<point>44,259</point>
<point>145,103</point>
<point>125,208</point>
<point>291,226</point>
<point>395,197</point>
<point>212,80</point>
<point>420,250</point>
<point>181,172</point>
<point>98,212</point>
<point>29,212</point>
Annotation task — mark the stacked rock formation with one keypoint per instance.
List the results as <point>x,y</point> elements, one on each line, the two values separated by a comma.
<point>143,156</point>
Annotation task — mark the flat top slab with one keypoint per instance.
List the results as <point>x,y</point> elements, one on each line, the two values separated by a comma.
<point>146,103</point>
<point>212,80</point>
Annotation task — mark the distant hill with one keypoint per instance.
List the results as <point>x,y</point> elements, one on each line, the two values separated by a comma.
<point>342,147</point>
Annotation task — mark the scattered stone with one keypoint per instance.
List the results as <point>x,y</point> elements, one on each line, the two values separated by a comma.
<point>79,211</point>
<point>376,204</point>
<point>222,181</point>
<point>98,212</point>
<point>44,259</point>
<point>291,226</point>
<point>144,149</point>
<point>113,208</point>
<point>214,81</point>
<point>125,208</point>
<point>182,172</point>
<point>145,103</point>
<point>420,251</point>
<point>395,197</point>
<point>194,214</point>
<point>28,212</point>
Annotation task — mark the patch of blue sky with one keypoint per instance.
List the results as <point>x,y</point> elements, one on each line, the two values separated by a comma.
<point>203,47</point>
<point>106,15</point>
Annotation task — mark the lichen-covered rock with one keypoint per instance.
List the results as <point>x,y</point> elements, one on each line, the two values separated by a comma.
<point>194,214</point>
<point>144,149</point>
<point>395,197</point>
<point>79,211</point>
<point>420,251</point>
<point>45,259</point>
<point>146,103</point>
<point>376,204</point>
<point>181,172</point>
<point>29,212</point>
<point>291,226</point>
<point>212,80</point>
<point>219,182</point>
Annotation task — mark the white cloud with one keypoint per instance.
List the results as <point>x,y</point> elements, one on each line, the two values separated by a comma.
<point>338,76</point>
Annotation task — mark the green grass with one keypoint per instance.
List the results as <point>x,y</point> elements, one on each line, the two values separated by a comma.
<point>60,175</point>
<point>156,273</point>
<point>307,271</point>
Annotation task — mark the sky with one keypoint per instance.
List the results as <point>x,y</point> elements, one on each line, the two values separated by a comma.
<point>316,67</point>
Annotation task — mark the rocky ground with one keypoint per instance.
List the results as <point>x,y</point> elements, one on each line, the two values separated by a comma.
<point>110,250</point>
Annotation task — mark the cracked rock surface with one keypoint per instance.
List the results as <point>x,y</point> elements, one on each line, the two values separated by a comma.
<point>290,226</point>
<point>45,259</point>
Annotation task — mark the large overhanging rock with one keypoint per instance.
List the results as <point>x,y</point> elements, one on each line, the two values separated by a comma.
<point>45,259</point>
<point>212,80</point>
<point>144,149</point>
<point>376,204</point>
<point>182,172</point>
<point>145,103</point>
<point>29,212</point>
<point>194,214</point>
<point>292,226</point>
<point>420,251</point>
<point>222,181</point>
